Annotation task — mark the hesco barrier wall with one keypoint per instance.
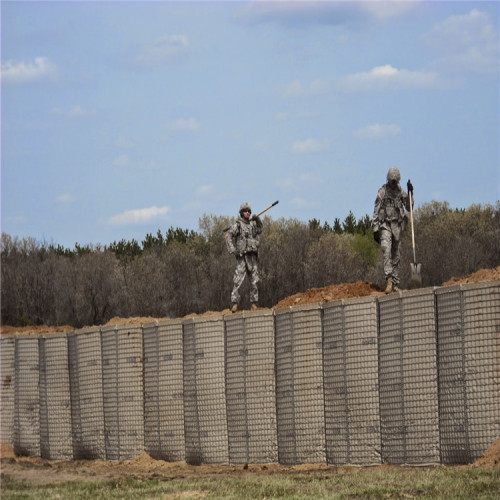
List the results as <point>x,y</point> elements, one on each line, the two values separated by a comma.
<point>408,378</point>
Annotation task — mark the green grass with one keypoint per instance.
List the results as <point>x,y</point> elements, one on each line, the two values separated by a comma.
<point>338,483</point>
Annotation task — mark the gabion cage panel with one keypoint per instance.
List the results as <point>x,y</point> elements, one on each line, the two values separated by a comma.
<point>205,424</point>
<point>250,388</point>
<point>123,391</point>
<point>7,369</point>
<point>26,396</point>
<point>163,390</point>
<point>409,416</point>
<point>468,357</point>
<point>299,385</point>
<point>87,408</point>
<point>350,350</point>
<point>55,401</point>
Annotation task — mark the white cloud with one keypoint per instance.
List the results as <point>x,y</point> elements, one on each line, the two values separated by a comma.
<point>377,131</point>
<point>184,125</point>
<point>309,145</point>
<point>298,89</point>
<point>65,198</point>
<point>40,69</point>
<point>76,111</point>
<point>123,143</point>
<point>205,190</point>
<point>139,216</point>
<point>297,183</point>
<point>467,42</point>
<point>165,49</point>
<point>121,161</point>
<point>388,78</point>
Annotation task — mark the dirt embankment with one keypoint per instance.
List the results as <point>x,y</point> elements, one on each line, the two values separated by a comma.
<point>313,295</point>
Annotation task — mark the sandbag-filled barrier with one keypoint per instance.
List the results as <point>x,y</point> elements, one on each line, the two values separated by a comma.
<point>408,378</point>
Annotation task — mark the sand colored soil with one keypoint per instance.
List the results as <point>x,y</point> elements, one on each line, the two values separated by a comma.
<point>313,295</point>
<point>43,471</point>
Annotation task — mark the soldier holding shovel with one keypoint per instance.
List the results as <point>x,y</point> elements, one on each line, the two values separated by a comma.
<point>388,223</point>
<point>242,240</point>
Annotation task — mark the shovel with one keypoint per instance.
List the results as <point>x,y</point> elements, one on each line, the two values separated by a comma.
<point>254,216</point>
<point>415,277</point>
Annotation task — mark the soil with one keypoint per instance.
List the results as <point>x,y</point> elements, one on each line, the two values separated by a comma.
<point>313,295</point>
<point>42,471</point>
<point>39,470</point>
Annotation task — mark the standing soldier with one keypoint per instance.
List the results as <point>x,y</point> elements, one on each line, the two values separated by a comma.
<point>242,240</point>
<point>388,222</point>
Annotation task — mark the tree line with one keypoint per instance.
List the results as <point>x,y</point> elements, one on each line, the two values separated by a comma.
<point>180,271</point>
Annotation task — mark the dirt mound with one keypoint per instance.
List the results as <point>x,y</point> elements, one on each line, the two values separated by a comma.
<point>27,330</point>
<point>325,294</point>
<point>481,275</point>
<point>332,292</point>
<point>491,456</point>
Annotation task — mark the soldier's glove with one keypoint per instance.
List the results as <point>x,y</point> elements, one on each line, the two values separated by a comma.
<point>409,185</point>
<point>376,236</point>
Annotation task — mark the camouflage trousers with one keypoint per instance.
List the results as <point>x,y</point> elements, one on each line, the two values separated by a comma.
<point>246,265</point>
<point>389,241</point>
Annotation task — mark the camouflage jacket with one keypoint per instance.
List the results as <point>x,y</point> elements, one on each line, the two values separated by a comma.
<point>243,236</point>
<point>390,206</point>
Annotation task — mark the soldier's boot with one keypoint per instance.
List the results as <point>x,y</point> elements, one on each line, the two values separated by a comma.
<point>253,306</point>
<point>395,288</point>
<point>234,307</point>
<point>388,288</point>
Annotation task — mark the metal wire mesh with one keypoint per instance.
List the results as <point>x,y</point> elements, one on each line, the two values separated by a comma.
<point>250,388</point>
<point>351,382</point>
<point>468,345</point>
<point>87,408</point>
<point>55,406</point>
<point>408,378</point>
<point>163,390</point>
<point>299,385</point>
<point>205,422</point>
<point>7,371</point>
<point>123,391</point>
<point>26,397</point>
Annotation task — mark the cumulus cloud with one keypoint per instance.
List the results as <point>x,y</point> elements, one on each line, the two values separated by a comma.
<point>296,183</point>
<point>184,125</point>
<point>40,69</point>
<point>65,198</point>
<point>121,161</point>
<point>163,50</point>
<point>309,145</point>
<point>377,131</point>
<point>467,43</point>
<point>387,77</point>
<point>139,216</point>
<point>205,190</point>
<point>76,111</point>
<point>298,89</point>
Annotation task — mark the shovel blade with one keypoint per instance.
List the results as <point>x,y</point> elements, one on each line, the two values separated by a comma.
<point>415,275</point>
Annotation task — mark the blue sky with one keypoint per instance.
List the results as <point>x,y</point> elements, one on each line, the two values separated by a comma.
<point>121,118</point>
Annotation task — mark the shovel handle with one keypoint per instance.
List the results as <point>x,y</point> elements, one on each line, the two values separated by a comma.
<point>257,215</point>
<point>266,209</point>
<point>412,232</point>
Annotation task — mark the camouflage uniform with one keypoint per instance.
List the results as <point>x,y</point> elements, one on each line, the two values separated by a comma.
<point>388,221</point>
<point>242,240</point>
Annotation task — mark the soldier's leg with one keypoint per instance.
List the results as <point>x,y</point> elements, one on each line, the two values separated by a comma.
<point>238,278</point>
<point>395,255</point>
<point>254,280</point>
<point>386,244</point>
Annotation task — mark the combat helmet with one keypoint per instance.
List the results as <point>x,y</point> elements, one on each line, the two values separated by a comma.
<point>393,174</point>
<point>245,206</point>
